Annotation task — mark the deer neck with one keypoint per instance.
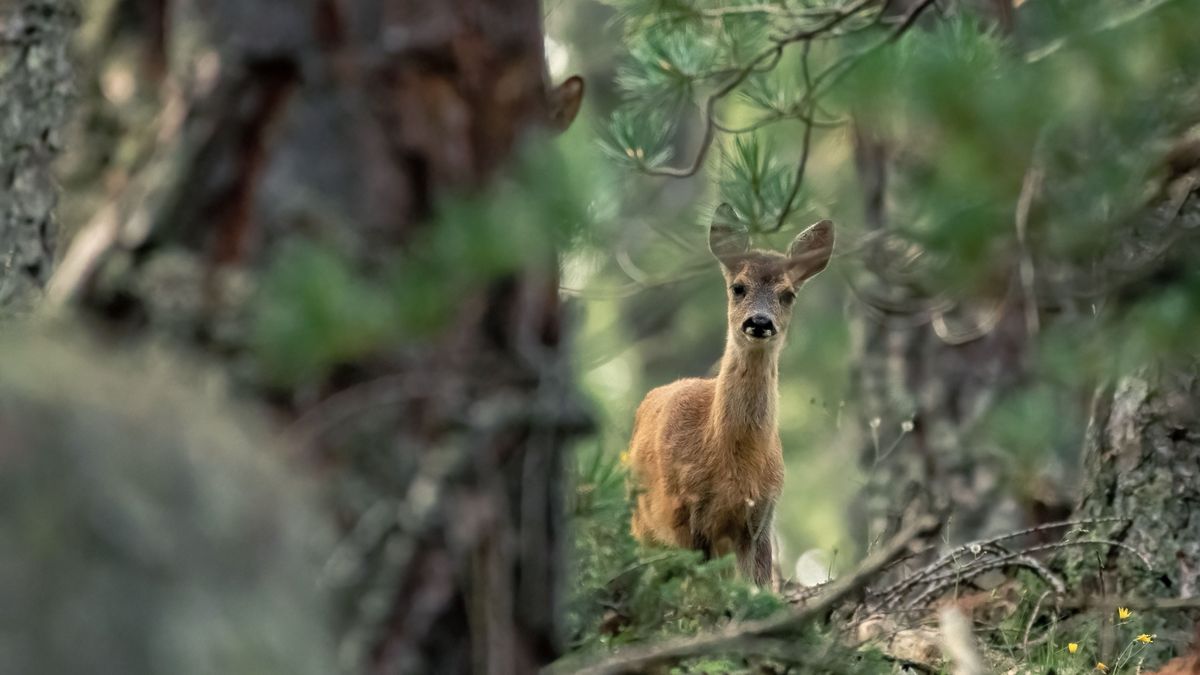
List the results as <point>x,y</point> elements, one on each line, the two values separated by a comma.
<point>747,394</point>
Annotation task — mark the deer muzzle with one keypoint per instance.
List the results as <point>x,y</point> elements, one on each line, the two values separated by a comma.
<point>759,327</point>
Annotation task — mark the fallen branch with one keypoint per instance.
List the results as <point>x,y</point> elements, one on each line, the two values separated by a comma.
<point>740,632</point>
<point>974,549</point>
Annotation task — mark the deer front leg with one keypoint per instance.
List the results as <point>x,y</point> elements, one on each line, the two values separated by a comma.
<point>712,541</point>
<point>696,532</point>
<point>764,560</point>
<point>758,560</point>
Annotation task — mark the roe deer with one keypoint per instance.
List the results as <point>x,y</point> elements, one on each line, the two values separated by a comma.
<point>706,461</point>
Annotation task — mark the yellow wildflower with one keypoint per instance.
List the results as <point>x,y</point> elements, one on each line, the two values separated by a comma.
<point>625,458</point>
<point>1101,667</point>
<point>1072,647</point>
<point>1144,639</point>
<point>1123,613</point>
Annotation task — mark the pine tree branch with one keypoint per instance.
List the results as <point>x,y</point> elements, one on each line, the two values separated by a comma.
<point>764,61</point>
<point>808,103</point>
<point>797,180</point>
<point>974,548</point>
<point>773,10</point>
<point>910,19</point>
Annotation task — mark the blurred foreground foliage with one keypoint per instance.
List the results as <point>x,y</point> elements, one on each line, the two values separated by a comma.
<point>316,309</point>
<point>147,524</point>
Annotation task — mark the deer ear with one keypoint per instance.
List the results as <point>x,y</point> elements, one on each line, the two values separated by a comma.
<point>728,238</point>
<point>565,101</point>
<point>810,251</point>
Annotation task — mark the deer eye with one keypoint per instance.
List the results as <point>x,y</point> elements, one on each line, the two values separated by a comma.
<point>787,297</point>
<point>738,290</point>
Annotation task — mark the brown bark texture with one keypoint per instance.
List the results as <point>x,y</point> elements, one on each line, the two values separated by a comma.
<point>344,122</point>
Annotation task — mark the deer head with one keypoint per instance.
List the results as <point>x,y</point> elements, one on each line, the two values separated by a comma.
<point>762,285</point>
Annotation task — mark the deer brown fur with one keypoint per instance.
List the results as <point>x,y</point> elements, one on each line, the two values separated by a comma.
<point>706,460</point>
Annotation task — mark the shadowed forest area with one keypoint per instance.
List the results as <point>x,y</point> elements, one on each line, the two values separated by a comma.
<point>326,327</point>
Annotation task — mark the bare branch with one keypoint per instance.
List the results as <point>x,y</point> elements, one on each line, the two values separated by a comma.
<point>976,547</point>
<point>738,632</point>
<point>910,19</point>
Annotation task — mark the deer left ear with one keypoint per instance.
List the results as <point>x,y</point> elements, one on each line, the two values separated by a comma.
<point>810,251</point>
<point>728,238</point>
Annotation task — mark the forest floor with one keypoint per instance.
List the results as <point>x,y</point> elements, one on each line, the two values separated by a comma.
<point>979,608</point>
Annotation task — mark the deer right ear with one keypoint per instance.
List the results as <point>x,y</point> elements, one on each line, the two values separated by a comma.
<point>565,101</point>
<point>728,239</point>
<point>810,251</point>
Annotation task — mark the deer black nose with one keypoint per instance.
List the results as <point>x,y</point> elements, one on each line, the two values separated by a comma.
<point>759,326</point>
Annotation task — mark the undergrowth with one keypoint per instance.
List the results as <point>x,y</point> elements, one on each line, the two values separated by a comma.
<point>622,593</point>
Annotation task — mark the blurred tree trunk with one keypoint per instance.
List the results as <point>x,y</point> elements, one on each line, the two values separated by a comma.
<point>36,91</point>
<point>941,371</point>
<point>345,121</point>
<point>921,393</point>
<point>941,364</point>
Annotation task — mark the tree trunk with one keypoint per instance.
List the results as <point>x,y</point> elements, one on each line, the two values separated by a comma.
<point>926,379</point>
<point>1142,463</point>
<point>1141,452</point>
<point>344,123</point>
<point>35,97</point>
<point>910,374</point>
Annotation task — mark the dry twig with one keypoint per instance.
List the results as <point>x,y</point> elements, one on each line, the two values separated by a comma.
<point>739,632</point>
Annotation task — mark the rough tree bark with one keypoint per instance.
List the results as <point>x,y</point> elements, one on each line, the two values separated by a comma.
<point>36,91</point>
<point>1141,451</point>
<point>1142,462</point>
<point>344,121</point>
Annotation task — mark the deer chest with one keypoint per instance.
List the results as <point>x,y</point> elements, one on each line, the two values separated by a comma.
<point>732,496</point>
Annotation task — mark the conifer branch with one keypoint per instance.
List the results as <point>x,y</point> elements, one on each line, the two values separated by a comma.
<point>764,61</point>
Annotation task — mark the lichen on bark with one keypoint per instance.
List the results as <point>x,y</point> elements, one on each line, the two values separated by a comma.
<point>35,97</point>
<point>1141,458</point>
